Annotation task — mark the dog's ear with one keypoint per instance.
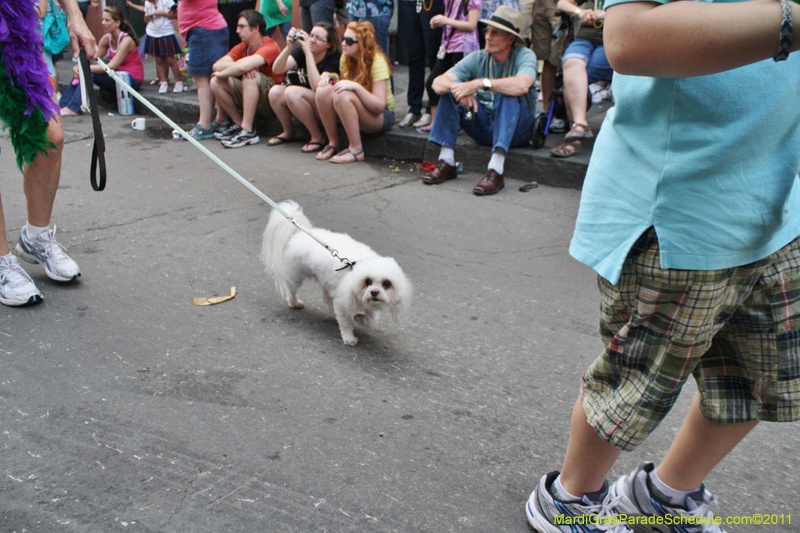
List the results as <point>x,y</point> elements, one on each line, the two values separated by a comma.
<point>347,291</point>
<point>402,304</point>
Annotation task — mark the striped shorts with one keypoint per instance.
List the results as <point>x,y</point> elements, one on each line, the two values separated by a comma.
<point>737,331</point>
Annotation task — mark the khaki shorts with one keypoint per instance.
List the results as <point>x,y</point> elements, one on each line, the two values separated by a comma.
<point>737,331</point>
<point>265,83</point>
<point>546,21</point>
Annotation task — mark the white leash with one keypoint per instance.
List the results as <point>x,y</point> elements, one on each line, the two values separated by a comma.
<point>222,164</point>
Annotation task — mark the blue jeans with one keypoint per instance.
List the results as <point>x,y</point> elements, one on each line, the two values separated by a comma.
<point>71,97</point>
<point>319,10</point>
<point>508,126</point>
<point>597,66</point>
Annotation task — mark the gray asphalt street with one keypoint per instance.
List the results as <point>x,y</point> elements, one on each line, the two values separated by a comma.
<point>123,407</point>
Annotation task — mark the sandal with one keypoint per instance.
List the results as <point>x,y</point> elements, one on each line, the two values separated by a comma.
<point>155,81</point>
<point>348,152</point>
<point>425,130</point>
<point>275,141</point>
<point>313,146</point>
<point>577,132</point>
<point>566,149</point>
<point>326,153</point>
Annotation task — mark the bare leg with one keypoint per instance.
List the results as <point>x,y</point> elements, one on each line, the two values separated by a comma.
<point>327,114</point>
<point>251,92</point>
<point>42,177</point>
<point>589,458</point>
<point>172,64</point>
<point>4,249</point>
<point>576,88</point>
<point>277,101</point>
<point>355,117</point>
<point>699,446</point>
<point>161,69</point>
<point>206,99</point>
<point>303,106</point>
<point>226,107</point>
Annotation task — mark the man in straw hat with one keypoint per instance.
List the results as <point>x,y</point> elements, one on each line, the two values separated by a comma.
<point>488,94</point>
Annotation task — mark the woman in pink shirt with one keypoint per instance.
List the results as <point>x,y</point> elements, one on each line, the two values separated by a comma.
<point>121,45</point>
<point>206,33</point>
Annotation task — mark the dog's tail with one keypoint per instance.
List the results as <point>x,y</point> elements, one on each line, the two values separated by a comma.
<point>276,236</point>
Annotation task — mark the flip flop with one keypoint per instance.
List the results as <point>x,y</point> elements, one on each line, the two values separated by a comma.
<point>330,150</point>
<point>349,152</point>
<point>313,146</point>
<point>275,141</point>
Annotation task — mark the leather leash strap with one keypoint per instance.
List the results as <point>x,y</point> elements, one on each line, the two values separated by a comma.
<point>99,148</point>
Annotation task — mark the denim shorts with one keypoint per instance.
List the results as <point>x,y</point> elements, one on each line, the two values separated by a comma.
<point>597,66</point>
<point>736,331</point>
<point>206,47</point>
<point>388,120</point>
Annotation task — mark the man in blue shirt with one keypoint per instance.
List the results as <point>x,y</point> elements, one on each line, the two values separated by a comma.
<point>488,95</point>
<point>690,214</point>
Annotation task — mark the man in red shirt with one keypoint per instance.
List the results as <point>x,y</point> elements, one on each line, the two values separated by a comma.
<point>242,79</point>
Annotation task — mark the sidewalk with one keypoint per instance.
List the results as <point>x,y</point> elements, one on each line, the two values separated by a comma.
<point>524,164</point>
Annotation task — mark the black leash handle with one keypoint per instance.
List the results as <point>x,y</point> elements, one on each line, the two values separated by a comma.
<point>99,149</point>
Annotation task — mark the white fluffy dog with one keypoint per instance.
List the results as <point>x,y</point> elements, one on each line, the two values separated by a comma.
<point>354,295</point>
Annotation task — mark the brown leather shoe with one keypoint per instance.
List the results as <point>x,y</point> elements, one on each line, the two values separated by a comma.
<point>490,184</point>
<point>441,173</point>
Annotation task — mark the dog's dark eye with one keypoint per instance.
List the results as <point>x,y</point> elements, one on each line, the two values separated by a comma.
<point>387,284</point>
<point>368,282</point>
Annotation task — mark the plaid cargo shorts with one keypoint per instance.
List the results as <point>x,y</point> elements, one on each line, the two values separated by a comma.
<point>737,331</point>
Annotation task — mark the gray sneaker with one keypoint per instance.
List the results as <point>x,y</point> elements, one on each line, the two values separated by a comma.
<point>642,502</point>
<point>46,251</point>
<point>16,286</point>
<point>217,126</point>
<point>198,133</point>
<point>229,133</point>
<point>243,138</point>
<point>548,514</point>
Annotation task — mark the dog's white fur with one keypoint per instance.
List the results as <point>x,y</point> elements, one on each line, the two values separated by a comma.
<point>354,295</point>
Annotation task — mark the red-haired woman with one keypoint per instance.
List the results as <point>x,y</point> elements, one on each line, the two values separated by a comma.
<point>362,100</point>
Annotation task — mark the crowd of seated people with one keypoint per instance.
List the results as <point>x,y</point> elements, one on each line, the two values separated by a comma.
<point>328,80</point>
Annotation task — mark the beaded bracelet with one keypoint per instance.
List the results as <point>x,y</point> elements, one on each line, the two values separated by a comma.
<point>785,42</point>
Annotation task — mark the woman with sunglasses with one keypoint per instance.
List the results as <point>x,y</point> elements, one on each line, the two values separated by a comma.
<point>362,100</point>
<point>318,52</point>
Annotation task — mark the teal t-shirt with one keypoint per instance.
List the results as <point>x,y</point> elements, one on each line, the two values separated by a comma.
<point>710,161</point>
<point>479,65</point>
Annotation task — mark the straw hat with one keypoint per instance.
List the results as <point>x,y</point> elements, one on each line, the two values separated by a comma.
<point>507,19</point>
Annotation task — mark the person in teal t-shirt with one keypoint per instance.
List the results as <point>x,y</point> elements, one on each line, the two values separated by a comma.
<point>690,214</point>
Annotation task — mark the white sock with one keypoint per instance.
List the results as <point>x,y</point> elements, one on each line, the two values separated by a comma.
<point>562,493</point>
<point>448,155</point>
<point>676,497</point>
<point>498,160</point>
<point>33,231</point>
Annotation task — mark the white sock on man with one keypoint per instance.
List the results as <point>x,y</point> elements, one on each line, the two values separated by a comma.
<point>448,155</point>
<point>676,497</point>
<point>498,160</point>
<point>33,231</point>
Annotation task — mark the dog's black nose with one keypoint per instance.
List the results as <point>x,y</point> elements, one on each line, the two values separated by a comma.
<point>375,293</point>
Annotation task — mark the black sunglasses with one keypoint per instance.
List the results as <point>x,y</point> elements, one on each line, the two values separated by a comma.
<point>349,41</point>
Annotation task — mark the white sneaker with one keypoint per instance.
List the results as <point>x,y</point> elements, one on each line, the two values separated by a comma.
<point>46,251</point>
<point>178,87</point>
<point>163,88</point>
<point>558,125</point>
<point>644,505</point>
<point>425,120</point>
<point>16,286</point>
<point>549,514</point>
<point>409,119</point>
